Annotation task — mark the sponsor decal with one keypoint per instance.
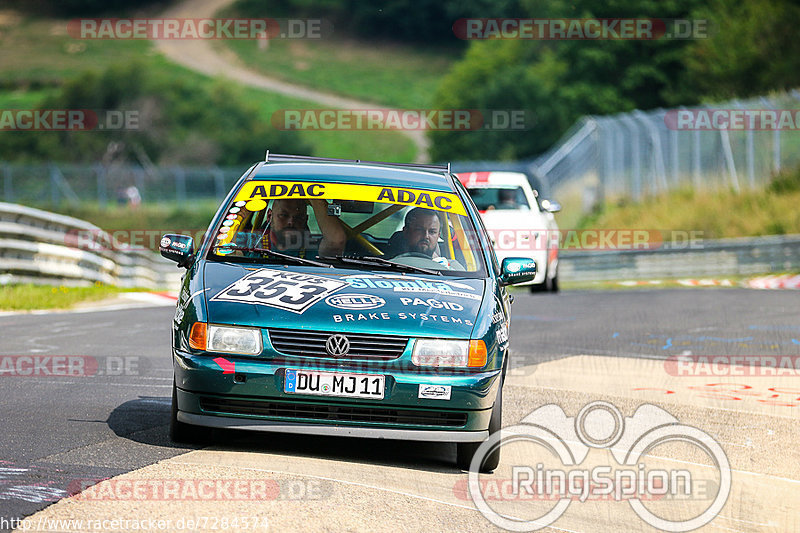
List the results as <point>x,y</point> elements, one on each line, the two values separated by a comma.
<point>280,289</point>
<point>435,392</point>
<point>501,333</point>
<point>412,284</point>
<point>256,193</point>
<point>165,241</point>
<point>183,303</point>
<point>355,302</point>
<point>422,317</point>
<point>432,303</point>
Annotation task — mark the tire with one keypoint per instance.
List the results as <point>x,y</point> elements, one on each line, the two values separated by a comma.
<point>539,287</point>
<point>554,283</point>
<point>466,450</point>
<point>180,432</point>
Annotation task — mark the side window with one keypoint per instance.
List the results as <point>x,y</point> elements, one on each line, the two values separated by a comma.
<point>467,199</point>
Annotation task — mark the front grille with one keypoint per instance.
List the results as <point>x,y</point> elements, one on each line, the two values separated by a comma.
<point>333,413</point>
<point>312,344</point>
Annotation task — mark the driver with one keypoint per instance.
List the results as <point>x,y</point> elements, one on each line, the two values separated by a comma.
<point>421,231</point>
<point>420,235</point>
<point>287,228</point>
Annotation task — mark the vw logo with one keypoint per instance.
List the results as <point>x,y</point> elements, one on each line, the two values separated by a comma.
<point>337,345</point>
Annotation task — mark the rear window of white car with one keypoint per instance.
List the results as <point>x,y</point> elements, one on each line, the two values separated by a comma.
<point>487,198</point>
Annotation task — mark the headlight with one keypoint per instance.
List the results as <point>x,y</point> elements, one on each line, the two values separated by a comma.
<point>234,340</point>
<point>445,352</point>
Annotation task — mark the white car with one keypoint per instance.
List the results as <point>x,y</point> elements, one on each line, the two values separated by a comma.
<point>519,223</point>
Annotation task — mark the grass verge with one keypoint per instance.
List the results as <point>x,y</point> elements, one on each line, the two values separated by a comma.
<point>27,297</point>
<point>387,74</point>
<point>771,210</point>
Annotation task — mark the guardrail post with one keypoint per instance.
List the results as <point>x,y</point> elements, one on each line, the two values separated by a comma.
<point>726,150</point>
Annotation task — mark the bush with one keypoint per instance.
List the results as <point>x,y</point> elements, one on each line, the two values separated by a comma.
<point>179,123</point>
<point>786,181</point>
<point>66,8</point>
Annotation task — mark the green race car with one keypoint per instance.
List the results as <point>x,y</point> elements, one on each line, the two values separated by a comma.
<point>335,297</point>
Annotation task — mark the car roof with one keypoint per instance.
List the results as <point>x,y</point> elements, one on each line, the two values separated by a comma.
<point>360,173</point>
<point>492,179</point>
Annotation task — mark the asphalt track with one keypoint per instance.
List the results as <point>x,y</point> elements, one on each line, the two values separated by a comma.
<point>570,349</point>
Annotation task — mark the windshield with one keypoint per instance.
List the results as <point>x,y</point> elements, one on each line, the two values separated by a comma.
<point>349,225</point>
<point>488,198</point>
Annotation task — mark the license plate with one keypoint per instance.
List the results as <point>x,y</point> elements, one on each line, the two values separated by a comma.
<point>334,384</point>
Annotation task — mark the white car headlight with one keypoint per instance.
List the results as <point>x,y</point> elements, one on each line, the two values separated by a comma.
<point>234,340</point>
<point>447,352</point>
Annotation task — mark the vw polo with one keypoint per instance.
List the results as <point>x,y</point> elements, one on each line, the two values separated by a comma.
<point>335,297</point>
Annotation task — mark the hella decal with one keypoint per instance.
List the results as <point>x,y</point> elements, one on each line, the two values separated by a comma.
<point>355,302</point>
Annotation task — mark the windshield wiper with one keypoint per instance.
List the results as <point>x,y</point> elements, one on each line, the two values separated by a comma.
<point>372,260</point>
<point>274,254</point>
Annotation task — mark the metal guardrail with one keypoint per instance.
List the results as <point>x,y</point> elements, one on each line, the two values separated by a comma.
<point>723,257</point>
<point>41,247</point>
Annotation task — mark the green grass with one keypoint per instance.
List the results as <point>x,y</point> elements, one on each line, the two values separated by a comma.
<point>38,55</point>
<point>717,214</point>
<point>22,98</point>
<point>164,217</point>
<point>387,74</point>
<point>25,297</point>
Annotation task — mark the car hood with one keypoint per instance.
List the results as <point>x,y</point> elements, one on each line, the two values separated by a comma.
<point>327,299</point>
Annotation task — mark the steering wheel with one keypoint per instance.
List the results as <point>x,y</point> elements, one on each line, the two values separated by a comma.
<point>413,254</point>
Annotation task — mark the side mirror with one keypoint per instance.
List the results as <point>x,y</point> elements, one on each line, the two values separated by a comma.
<point>551,206</point>
<point>178,248</point>
<point>517,270</point>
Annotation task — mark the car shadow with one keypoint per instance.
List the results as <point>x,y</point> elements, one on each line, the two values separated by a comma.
<point>146,421</point>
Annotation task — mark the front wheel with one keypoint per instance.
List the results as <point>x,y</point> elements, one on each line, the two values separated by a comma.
<point>466,450</point>
<point>554,283</point>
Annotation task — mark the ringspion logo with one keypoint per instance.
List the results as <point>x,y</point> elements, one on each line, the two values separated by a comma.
<point>629,440</point>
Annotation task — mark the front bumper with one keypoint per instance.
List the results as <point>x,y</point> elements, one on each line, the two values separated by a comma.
<point>208,396</point>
